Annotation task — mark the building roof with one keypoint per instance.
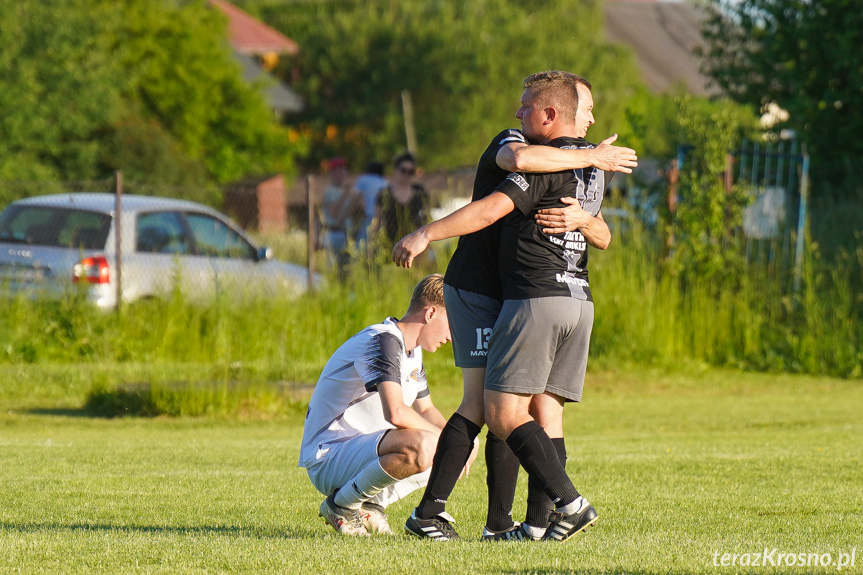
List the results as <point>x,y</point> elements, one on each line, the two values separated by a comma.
<point>251,36</point>
<point>662,36</point>
<point>281,98</point>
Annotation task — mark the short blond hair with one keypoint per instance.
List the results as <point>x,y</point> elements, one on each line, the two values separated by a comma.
<point>428,292</point>
<point>558,89</point>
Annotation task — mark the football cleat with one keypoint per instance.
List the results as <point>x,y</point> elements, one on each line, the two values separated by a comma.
<point>515,533</point>
<point>562,527</point>
<point>345,521</point>
<point>438,528</point>
<point>374,518</point>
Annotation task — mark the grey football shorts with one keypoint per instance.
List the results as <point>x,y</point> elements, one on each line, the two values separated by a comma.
<point>471,319</point>
<point>541,345</point>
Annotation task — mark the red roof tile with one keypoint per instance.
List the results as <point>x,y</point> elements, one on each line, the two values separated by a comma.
<point>251,36</point>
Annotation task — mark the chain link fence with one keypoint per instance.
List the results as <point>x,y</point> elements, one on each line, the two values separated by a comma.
<point>126,241</point>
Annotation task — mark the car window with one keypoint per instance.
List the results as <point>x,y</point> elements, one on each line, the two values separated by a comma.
<point>83,230</point>
<point>160,233</point>
<point>216,239</point>
<point>56,227</point>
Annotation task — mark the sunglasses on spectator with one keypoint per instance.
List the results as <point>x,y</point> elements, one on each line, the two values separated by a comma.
<point>408,171</point>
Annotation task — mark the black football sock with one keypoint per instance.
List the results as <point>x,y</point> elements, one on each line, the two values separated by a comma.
<point>537,454</point>
<point>539,506</point>
<point>453,450</point>
<point>501,480</point>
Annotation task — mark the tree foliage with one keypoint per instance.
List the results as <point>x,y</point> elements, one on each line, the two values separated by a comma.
<point>182,75</point>
<point>804,55</point>
<point>462,62</point>
<point>88,87</point>
<point>59,87</point>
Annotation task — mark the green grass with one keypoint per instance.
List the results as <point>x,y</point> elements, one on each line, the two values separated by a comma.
<point>678,465</point>
<point>644,315</point>
<point>680,462</point>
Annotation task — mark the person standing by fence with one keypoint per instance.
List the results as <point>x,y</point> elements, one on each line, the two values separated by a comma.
<point>405,205</point>
<point>369,185</point>
<point>340,207</point>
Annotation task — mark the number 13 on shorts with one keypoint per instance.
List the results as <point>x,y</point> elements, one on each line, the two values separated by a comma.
<point>482,336</point>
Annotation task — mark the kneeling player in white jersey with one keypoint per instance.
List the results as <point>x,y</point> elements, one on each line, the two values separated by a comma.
<point>371,429</point>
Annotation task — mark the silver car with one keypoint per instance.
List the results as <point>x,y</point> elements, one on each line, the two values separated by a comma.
<point>50,243</point>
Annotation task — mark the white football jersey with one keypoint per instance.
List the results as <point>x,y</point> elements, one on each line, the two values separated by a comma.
<point>346,402</point>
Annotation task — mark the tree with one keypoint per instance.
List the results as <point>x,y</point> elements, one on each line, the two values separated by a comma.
<point>805,56</point>
<point>181,75</point>
<point>462,62</point>
<point>149,87</point>
<point>59,87</point>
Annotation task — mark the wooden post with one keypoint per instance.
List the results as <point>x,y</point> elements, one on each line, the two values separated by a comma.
<point>802,227</point>
<point>118,237</point>
<point>312,235</point>
<point>410,130</point>
<point>729,172</point>
<point>673,179</point>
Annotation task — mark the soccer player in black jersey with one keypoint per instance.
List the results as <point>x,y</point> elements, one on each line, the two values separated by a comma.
<point>474,294</point>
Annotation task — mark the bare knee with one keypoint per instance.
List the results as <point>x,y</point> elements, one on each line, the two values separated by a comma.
<point>505,412</point>
<point>497,421</point>
<point>416,454</point>
<point>426,451</point>
<point>547,410</point>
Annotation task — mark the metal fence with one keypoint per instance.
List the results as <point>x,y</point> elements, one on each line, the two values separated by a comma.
<point>118,246</point>
<point>163,237</point>
<point>775,175</point>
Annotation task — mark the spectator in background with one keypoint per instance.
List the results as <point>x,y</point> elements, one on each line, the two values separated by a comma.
<point>369,186</point>
<point>341,206</point>
<point>405,205</point>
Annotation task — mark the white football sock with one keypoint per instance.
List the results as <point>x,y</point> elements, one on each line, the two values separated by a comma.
<point>371,480</point>
<point>575,507</point>
<point>534,531</point>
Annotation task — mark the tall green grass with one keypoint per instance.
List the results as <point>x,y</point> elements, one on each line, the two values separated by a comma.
<point>645,316</point>
<point>756,321</point>
<point>289,333</point>
<point>230,355</point>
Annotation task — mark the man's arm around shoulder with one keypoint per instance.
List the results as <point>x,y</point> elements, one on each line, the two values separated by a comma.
<point>520,157</point>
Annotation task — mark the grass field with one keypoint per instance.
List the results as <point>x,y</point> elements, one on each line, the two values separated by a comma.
<point>682,468</point>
